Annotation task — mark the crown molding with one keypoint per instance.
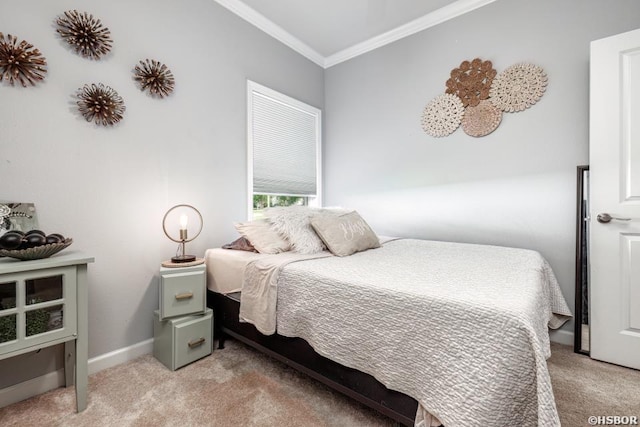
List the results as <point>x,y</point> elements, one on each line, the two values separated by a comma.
<point>277,32</point>
<point>429,20</point>
<point>436,17</point>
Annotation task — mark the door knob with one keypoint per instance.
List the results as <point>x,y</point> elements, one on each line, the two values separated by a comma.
<point>605,218</point>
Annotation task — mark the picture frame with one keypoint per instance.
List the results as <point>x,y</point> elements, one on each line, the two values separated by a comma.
<point>18,216</point>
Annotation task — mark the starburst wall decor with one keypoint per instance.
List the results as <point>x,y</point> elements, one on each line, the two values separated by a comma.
<point>100,104</point>
<point>155,76</point>
<point>85,33</point>
<point>20,62</point>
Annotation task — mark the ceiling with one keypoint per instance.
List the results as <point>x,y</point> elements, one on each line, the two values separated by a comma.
<point>332,31</point>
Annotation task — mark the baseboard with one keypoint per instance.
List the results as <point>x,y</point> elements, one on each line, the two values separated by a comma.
<point>561,336</point>
<point>33,387</point>
<point>53,380</point>
<point>119,356</point>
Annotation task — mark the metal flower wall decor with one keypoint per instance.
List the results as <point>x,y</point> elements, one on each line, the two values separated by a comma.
<point>20,62</point>
<point>100,104</point>
<point>155,76</point>
<point>484,95</point>
<point>85,33</point>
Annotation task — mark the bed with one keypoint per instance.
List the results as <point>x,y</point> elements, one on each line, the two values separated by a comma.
<point>419,330</point>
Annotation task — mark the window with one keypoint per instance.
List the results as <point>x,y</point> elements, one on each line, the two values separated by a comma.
<point>284,163</point>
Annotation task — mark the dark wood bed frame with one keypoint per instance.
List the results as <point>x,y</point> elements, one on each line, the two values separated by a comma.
<point>298,354</point>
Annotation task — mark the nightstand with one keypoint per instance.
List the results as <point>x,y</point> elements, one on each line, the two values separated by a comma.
<point>183,325</point>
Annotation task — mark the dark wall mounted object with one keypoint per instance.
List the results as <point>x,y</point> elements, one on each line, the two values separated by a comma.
<point>100,104</point>
<point>85,33</point>
<point>581,327</point>
<point>20,62</point>
<point>155,76</point>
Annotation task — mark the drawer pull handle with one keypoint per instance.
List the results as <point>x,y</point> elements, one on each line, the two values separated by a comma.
<point>196,343</point>
<point>184,295</point>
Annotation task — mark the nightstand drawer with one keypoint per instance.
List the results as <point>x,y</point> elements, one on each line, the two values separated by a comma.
<point>193,339</point>
<point>181,341</point>
<point>182,291</point>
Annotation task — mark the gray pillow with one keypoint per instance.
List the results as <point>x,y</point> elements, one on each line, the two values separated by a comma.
<point>240,244</point>
<point>345,234</point>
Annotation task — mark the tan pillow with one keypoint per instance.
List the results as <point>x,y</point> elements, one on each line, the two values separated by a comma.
<point>262,237</point>
<point>345,234</point>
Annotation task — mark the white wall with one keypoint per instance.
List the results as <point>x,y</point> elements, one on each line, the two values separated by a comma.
<point>108,188</point>
<point>514,187</point>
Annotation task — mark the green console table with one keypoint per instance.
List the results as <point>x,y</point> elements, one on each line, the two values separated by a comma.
<point>43,303</point>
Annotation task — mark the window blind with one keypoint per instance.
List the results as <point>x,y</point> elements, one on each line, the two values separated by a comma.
<point>285,141</point>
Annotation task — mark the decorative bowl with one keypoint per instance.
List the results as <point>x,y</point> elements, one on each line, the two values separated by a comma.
<point>38,252</point>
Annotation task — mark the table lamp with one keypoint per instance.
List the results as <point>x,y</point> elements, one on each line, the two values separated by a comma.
<point>184,217</point>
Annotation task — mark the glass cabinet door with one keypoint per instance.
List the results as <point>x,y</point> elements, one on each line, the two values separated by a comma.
<point>39,319</point>
<point>8,312</point>
<point>37,307</point>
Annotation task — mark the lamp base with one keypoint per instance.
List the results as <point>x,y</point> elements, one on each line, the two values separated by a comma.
<point>170,264</point>
<point>183,258</point>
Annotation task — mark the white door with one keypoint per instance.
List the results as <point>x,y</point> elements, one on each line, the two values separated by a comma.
<point>614,175</point>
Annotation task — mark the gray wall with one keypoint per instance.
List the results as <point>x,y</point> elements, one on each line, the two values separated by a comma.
<point>514,187</point>
<point>109,188</point>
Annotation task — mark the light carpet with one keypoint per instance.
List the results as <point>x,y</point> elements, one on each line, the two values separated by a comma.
<point>239,386</point>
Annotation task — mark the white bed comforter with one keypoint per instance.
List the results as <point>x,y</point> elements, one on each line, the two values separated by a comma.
<point>461,328</point>
<point>258,299</point>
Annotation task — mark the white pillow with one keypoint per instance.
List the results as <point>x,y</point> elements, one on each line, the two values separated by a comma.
<point>293,223</point>
<point>262,236</point>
